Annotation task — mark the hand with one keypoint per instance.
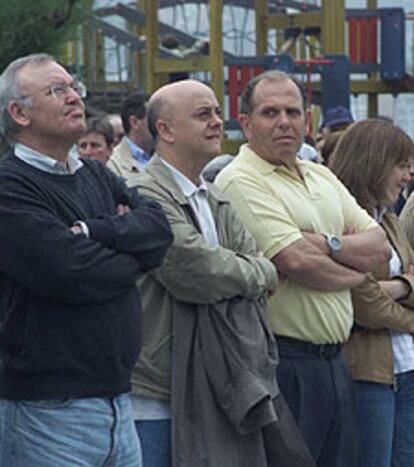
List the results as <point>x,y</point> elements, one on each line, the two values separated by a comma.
<point>395,288</point>
<point>76,229</point>
<point>123,209</point>
<point>350,230</point>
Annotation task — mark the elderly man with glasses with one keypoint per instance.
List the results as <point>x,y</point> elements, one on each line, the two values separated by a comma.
<point>73,241</point>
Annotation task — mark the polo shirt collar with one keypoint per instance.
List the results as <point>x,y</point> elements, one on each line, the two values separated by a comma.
<point>265,167</point>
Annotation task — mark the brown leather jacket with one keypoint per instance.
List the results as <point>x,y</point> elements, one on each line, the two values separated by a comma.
<point>369,350</point>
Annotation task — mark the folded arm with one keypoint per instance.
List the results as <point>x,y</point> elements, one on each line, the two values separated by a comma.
<point>195,272</point>
<point>375,307</point>
<point>141,230</point>
<point>362,251</point>
<point>306,264</point>
<point>40,251</point>
<point>302,257</point>
<point>397,289</point>
<point>43,255</point>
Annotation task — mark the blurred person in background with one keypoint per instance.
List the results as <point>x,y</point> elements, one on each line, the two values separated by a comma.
<point>115,121</point>
<point>98,140</point>
<point>135,149</point>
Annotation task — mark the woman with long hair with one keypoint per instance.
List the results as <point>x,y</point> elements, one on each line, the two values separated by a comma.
<point>372,160</point>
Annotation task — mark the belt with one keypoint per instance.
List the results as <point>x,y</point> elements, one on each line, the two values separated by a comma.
<point>321,350</point>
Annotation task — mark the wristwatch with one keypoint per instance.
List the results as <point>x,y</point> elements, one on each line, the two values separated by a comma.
<point>334,243</point>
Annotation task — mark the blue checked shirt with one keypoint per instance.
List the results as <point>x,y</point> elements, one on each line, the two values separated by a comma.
<point>139,155</point>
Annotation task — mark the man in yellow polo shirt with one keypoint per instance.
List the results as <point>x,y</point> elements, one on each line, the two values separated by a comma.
<point>322,244</point>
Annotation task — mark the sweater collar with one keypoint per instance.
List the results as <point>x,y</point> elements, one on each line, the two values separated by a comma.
<point>46,163</point>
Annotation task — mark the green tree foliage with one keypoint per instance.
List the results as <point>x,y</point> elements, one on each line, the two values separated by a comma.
<point>31,26</point>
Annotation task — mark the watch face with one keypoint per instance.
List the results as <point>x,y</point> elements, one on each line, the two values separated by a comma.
<point>335,244</point>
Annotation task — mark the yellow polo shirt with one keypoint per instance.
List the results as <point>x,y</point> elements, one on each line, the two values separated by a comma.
<point>276,205</point>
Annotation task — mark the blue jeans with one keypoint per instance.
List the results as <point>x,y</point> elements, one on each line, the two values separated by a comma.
<point>320,393</point>
<point>155,437</point>
<point>95,432</point>
<point>386,422</point>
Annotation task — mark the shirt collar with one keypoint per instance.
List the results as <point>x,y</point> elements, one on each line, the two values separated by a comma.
<point>46,163</point>
<point>187,186</point>
<point>139,154</point>
<point>379,213</point>
<point>265,167</point>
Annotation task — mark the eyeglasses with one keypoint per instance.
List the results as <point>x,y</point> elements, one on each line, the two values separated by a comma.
<point>62,89</point>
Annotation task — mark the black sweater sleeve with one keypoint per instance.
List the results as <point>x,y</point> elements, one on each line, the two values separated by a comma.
<point>38,250</point>
<point>144,232</point>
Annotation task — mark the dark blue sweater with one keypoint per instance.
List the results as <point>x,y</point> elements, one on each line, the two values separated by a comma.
<point>69,307</point>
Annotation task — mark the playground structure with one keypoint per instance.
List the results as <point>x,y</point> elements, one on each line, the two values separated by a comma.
<point>338,51</point>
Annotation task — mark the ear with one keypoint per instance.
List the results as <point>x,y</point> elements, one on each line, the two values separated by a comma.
<point>164,130</point>
<point>18,113</point>
<point>133,121</point>
<point>245,124</point>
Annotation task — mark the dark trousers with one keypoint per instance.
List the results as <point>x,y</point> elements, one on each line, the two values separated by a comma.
<point>319,390</point>
<point>155,437</point>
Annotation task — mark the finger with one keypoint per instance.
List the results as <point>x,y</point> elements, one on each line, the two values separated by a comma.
<point>123,209</point>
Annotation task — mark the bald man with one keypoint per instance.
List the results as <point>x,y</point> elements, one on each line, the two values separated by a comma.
<point>213,259</point>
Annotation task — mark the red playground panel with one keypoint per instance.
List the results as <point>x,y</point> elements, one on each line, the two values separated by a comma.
<point>239,76</point>
<point>363,33</point>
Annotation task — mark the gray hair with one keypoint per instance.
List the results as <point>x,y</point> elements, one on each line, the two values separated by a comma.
<point>10,91</point>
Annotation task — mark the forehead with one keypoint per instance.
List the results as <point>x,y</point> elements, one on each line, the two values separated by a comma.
<point>278,93</point>
<point>93,136</point>
<point>195,98</point>
<point>35,76</point>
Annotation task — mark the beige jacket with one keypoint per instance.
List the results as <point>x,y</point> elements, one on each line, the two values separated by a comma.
<point>369,350</point>
<point>192,273</point>
<point>123,163</point>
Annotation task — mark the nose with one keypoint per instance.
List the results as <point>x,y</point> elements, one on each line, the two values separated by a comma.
<point>283,120</point>
<point>85,149</point>
<point>217,120</point>
<point>411,167</point>
<point>73,96</point>
<point>407,175</point>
